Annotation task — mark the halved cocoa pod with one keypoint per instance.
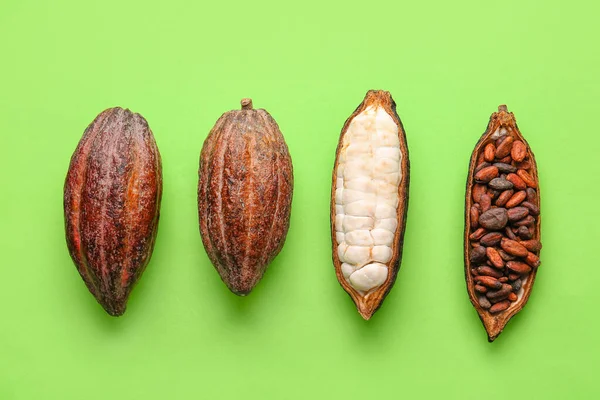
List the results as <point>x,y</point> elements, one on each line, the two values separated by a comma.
<point>369,199</point>
<point>521,220</point>
<point>245,184</point>
<point>112,202</point>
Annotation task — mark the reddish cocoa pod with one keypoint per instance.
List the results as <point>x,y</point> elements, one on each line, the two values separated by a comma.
<point>245,190</point>
<point>111,203</point>
<point>502,132</point>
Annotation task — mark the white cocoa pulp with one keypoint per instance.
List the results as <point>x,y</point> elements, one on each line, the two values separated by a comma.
<point>366,197</point>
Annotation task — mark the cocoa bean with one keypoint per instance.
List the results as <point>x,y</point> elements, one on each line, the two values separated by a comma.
<point>503,150</point>
<point>513,297</point>
<point>505,168</point>
<point>505,256</point>
<point>528,179</point>
<point>491,239</point>
<point>533,209</point>
<point>474,217</point>
<point>494,219</point>
<point>488,282</point>
<point>484,302</point>
<point>532,260</point>
<point>524,233</point>
<point>509,233</point>
<point>478,255</point>
<point>486,174</point>
<point>489,152</point>
<point>478,190</point>
<point>527,221</point>
<point>516,199</point>
<point>486,202</point>
<point>482,166</point>
<point>532,245</point>
<point>513,247</point>
<point>518,151</point>
<point>500,184</point>
<point>531,195</point>
<point>504,197</point>
<point>488,271</point>
<point>494,257</point>
<point>478,234</point>
<point>481,289</point>
<point>516,181</point>
<point>499,307</point>
<point>501,293</point>
<point>518,267</point>
<point>517,213</point>
<point>517,283</point>
<point>513,277</point>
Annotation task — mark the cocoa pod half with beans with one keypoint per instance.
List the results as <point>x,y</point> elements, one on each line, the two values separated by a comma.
<point>503,164</point>
<point>112,199</point>
<point>244,195</point>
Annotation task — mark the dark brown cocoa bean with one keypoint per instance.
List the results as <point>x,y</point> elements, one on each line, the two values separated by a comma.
<point>484,302</point>
<point>513,247</point>
<point>533,209</point>
<point>531,195</point>
<point>482,166</point>
<point>499,307</point>
<point>517,284</point>
<point>494,219</point>
<point>516,199</point>
<point>518,267</point>
<point>518,151</point>
<point>503,150</point>
<point>478,255</point>
<point>509,233</point>
<point>524,233</point>
<point>486,174</point>
<point>505,168</point>
<point>527,221</point>
<point>500,184</point>
<point>501,293</point>
<point>493,193</point>
<point>525,164</point>
<point>491,239</point>
<point>517,213</point>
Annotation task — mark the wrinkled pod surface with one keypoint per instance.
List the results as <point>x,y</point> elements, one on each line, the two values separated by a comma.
<point>112,199</point>
<point>244,195</point>
<point>369,200</point>
<point>502,223</point>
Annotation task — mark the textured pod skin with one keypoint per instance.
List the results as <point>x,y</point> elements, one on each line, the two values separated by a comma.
<point>111,202</point>
<point>367,304</point>
<point>244,195</point>
<point>495,323</point>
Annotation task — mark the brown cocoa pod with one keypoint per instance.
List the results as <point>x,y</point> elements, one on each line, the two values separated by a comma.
<point>516,199</point>
<point>367,259</point>
<point>112,200</point>
<point>516,181</point>
<point>245,185</point>
<point>502,132</point>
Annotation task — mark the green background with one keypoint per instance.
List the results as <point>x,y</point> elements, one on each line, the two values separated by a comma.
<point>298,335</point>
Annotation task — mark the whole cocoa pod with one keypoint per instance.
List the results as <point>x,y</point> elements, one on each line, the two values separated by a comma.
<point>244,195</point>
<point>369,200</point>
<point>112,202</point>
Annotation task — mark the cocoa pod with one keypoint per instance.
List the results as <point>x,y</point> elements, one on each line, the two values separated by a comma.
<point>367,251</point>
<point>112,200</point>
<point>245,185</point>
<point>511,181</point>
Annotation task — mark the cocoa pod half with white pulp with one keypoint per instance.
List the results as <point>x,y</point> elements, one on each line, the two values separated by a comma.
<point>111,203</point>
<point>244,195</point>
<point>369,201</point>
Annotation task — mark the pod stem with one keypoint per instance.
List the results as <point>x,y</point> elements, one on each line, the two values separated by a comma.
<point>502,108</point>
<point>246,104</point>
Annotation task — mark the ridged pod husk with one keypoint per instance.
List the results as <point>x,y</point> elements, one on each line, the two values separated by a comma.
<point>244,195</point>
<point>112,200</point>
<point>495,323</point>
<point>368,303</point>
